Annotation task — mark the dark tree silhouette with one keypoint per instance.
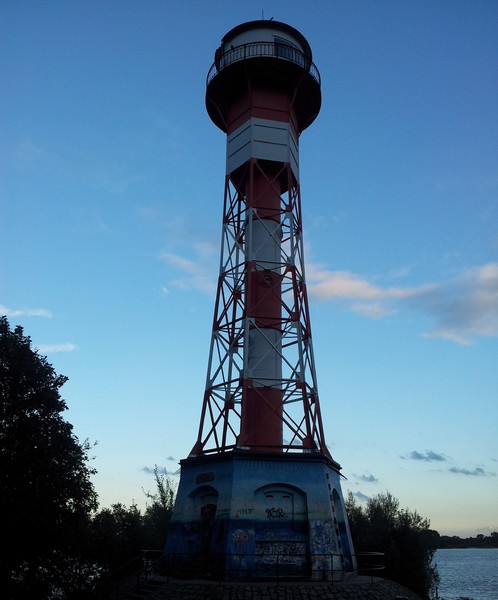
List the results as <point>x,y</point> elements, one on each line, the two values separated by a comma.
<point>120,533</point>
<point>46,496</point>
<point>159,510</point>
<point>403,535</point>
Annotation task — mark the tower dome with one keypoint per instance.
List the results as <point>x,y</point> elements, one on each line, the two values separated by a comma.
<point>266,55</point>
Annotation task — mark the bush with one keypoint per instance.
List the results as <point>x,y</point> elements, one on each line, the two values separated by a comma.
<point>402,535</point>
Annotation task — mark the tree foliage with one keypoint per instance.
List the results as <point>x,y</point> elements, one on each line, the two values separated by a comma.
<point>55,543</point>
<point>123,537</point>
<point>403,535</point>
<point>117,536</point>
<point>159,510</point>
<point>46,495</point>
<point>120,533</point>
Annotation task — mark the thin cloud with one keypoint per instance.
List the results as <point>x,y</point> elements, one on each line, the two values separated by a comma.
<point>401,272</point>
<point>431,456</point>
<point>330,285</point>
<point>27,312</point>
<point>372,311</point>
<point>71,163</point>
<point>463,307</point>
<point>367,478</point>
<point>477,472</point>
<point>27,153</point>
<point>51,348</point>
<point>361,496</point>
<point>428,456</point>
<point>160,471</point>
<point>197,273</point>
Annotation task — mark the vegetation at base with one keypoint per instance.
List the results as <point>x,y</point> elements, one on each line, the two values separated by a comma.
<point>46,496</point>
<point>402,535</point>
<point>119,533</point>
<point>56,545</point>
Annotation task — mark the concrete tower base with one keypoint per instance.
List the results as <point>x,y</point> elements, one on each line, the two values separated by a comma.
<point>241,515</point>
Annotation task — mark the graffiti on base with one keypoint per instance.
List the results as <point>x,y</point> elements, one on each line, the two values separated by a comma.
<point>244,511</point>
<point>281,552</point>
<point>275,513</point>
<point>241,538</point>
<point>323,537</point>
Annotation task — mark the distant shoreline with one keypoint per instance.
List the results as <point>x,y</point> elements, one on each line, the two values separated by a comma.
<point>444,542</point>
<point>466,547</point>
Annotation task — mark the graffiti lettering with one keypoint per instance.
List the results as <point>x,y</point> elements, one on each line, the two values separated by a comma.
<point>275,513</point>
<point>240,536</point>
<point>284,554</point>
<point>245,511</point>
<point>282,548</point>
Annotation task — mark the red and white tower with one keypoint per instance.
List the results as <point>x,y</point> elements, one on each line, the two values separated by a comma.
<point>259,482</point>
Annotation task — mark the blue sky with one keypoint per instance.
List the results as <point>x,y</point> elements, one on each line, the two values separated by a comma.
<point>112,187</point>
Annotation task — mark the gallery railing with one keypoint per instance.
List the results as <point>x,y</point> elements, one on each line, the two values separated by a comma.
<point>267,50</point>
<point>325,567</point>
<point>133,577</point>
<point>152,569</point>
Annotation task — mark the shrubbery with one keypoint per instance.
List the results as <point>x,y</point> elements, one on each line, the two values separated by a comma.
<point>58,546</point>
<point>55,543</point>
<point>402,535</point>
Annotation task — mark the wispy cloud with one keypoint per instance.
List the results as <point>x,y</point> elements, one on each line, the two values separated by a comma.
<point>428,456</point>
<point>197,273</point>
<point>400,272</point>
<point>431,456</point>
<point>100,171</point>
<point>476,472</point>
<point>51,348</point>
<point>361,496</point>
<point>463,307</point>
<point>160,471</point>
<point>25,312</point>
<point>28,153</point>
<point>330,285</point>
<point>367,478</point>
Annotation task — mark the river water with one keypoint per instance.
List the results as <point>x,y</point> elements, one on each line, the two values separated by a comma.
<point>468,572</point>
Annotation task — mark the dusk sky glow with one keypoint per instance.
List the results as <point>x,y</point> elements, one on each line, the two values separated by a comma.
<point>112,191</point>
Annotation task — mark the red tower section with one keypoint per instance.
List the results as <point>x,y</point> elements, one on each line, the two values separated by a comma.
<point>261,393</point>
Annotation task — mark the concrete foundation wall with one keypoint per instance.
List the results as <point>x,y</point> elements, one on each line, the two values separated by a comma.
<point>258,517</point>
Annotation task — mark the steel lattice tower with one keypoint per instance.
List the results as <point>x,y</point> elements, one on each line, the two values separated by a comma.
<point>260,415</point>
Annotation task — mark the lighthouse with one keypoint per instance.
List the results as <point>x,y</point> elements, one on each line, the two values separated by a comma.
<point>260,494</point>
